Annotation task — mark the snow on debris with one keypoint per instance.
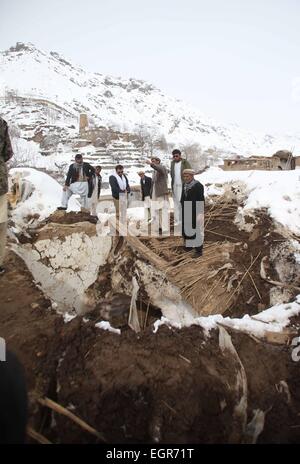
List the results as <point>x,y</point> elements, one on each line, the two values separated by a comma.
<point>273,319</point>
<point>105,325</point>
<point>277,191</point>
<point>68,317</point>
<point>41,193</point>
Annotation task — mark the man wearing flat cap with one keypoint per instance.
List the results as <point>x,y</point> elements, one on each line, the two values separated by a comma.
<point>192,202</point>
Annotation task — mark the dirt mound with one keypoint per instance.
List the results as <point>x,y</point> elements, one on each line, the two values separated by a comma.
<point>62,217</point>
<point>174,386</point>
<point>169,387</point>
<point>27,322</point>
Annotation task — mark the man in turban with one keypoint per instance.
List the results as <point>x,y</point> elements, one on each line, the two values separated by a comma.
<point>192,202</point>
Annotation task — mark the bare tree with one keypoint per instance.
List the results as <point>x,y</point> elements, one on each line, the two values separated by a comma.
<point>212,156</point>
<point>161,143</point>
<point>193,153</point>
<point>170,147</point>
<point>14,131</point>
<point>152,138</point>
<point>10,95</point>
<point>51,114</point>
<point>50,142</point>
<point>142,137</point>
<point>149,140</point>
<point>23,155</point>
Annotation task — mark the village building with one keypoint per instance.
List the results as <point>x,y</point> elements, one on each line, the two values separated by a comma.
<point>281,160</point>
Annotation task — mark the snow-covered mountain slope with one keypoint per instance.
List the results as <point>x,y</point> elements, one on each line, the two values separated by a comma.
<point>119,103</point>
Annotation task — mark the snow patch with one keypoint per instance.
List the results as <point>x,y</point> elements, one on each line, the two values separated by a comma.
<point>274,319</point>
<point>278,192</point>
<point>105,325</point>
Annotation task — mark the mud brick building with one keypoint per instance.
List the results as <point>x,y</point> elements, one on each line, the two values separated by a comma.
<point>281,160</point>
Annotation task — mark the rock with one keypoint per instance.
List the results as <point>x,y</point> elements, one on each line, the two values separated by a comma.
<point>261,307</point>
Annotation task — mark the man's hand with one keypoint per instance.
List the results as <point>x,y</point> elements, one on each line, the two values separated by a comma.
<point>65,187</point>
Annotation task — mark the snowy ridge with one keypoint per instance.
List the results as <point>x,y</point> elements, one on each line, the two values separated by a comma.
<point>122,103</point>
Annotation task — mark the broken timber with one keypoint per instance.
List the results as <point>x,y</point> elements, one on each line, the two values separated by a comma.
<point>187,273</point>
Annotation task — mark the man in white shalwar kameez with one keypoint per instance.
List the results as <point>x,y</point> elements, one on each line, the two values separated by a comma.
<point>95,186</point>
<point>178,165</point>
<point>79,174</point>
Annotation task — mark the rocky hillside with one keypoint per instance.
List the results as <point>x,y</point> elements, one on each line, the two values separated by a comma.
<point>36,86</point>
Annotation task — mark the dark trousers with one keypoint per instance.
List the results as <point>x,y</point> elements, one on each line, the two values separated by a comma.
<point>13,401</point>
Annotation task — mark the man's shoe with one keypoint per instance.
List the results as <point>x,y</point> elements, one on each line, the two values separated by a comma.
<point>164,232</point>
<point>198,252</point>
<point>62,208</point>
<point>93,219</point>
<point>2,270</point>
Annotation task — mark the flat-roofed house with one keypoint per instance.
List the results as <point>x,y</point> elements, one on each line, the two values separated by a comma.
<point>282,160</point>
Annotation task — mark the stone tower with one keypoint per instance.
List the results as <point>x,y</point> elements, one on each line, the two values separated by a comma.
<point>83,122</point>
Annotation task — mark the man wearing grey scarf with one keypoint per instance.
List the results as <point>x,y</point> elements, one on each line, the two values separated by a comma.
<point>188,185</point>
<point>192,203</point>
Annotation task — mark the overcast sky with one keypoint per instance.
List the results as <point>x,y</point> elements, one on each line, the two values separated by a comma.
<point>235,60</point>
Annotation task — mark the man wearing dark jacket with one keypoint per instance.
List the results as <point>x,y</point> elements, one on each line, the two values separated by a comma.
<point>119,189</point>
<point>192,202</point>
<point>77,182</point>
<point>146,184</point>
<point>5,154</point>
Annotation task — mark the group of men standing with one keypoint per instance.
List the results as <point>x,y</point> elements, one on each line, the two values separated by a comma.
<point>85,180</point>
<point>188,195</point>
<point>188,199</point>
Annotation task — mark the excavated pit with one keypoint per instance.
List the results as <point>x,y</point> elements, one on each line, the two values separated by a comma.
<point>174,386</point>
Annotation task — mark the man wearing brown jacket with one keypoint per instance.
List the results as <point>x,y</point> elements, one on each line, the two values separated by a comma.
<point>5,154</point>
<point>159,196</point>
